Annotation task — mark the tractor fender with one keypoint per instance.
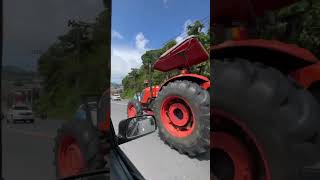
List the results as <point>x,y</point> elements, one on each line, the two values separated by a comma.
<point>203,81</point>
<point>308,77</point>
<point>282,56</point>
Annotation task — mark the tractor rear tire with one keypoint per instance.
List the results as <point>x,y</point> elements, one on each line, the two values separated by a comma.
<point>86,144</point>
<point>282,116</point>
<point>134,108</point>
<point>193,136</point>
<point>315,90</point>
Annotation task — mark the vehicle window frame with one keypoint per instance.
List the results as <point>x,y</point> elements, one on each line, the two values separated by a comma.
<point>134,172</point>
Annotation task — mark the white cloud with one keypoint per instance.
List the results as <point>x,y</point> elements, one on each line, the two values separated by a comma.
<point>179,39</point>
<point>141,41</point>
<point>184,33</point>
<point>123,58</point>
<point>116,34</point>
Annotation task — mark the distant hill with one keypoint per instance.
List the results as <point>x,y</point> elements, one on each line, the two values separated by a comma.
<point>14,73</point>
<point>115,85</point>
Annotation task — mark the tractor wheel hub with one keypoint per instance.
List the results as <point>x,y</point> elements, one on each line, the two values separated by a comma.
<point>236,158</point>
<point>179,114</point>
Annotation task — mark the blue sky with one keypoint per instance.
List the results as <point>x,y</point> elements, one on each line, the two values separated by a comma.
<point>140,25</point>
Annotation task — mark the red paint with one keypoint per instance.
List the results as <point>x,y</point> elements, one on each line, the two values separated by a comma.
<point>104,125</point>
<point>307,75</point>
<point>182,109</point>
<point>147,94</point>
<point>222,116</point>
<point>183,55</point>
<point>132,112</point>
<point>205,85</point>
<point>171,122</point>
<point>70,158</point>
<point>238,153</point>
<point>194,77</point>
<point>184,71</point>
<point>289,49</point>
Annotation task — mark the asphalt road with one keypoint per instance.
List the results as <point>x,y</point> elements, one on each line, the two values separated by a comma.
<point>27,150</point>
<point>27,153</point>
<point>157,161</point>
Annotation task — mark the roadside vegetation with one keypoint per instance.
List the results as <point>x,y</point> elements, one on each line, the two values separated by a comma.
<point>297,24</point>
<point>73,66</point>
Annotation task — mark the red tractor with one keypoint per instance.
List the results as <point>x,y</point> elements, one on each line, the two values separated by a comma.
<point>266,114</point>
<point>181,105</point>
<point>82,144</point>
<point>142,102</point>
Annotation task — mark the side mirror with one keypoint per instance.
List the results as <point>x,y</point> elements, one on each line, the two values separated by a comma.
<point>133,128</point>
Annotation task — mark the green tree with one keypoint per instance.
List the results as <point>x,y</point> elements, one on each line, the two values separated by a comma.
<point>74,65</point>
<point>298,23</point>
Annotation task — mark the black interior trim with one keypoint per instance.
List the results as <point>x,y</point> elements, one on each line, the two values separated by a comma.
<point>118,168</point>
<point>88,174</point>
<point>127,164</point>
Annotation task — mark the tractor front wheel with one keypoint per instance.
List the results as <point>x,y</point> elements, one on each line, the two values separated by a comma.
<point>182,111</point>
<point>78,149</point>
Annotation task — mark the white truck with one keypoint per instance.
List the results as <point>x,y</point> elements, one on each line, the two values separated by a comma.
<point>116,97</point>
<point>20,112</point>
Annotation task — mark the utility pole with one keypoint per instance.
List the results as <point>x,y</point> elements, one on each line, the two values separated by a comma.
<point>80,28</point>
<point>34,52</point>
<point>134,76</point>
<point>76,25</point>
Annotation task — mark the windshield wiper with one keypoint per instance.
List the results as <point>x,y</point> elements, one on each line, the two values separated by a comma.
<point>87,174</point>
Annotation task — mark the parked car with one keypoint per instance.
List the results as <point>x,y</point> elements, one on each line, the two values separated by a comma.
<point>20,112</point>
<point>116,97</point>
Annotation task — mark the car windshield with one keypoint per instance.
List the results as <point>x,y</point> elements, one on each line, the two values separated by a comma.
<point>21,108</point>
